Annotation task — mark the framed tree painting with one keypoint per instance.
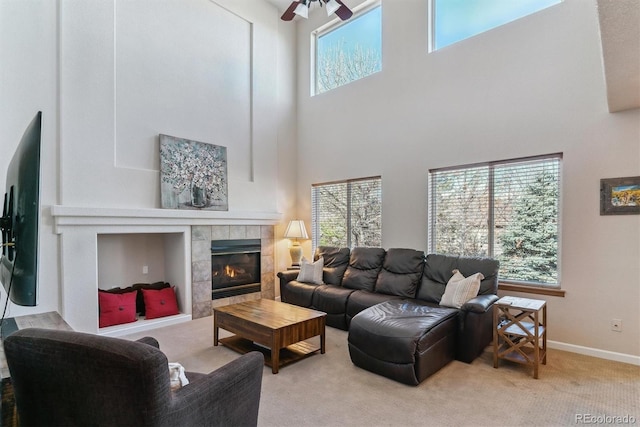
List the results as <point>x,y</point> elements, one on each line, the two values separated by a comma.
<point>193,174</point>
<point>620,196</point>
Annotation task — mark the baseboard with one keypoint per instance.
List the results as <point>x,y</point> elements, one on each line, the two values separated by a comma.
<point>595,352</point>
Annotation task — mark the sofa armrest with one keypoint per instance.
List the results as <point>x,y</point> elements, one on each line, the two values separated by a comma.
<point>480,304</point>
<point>476,327</point>
<point>230,395</point>
<point>149,341</point>
<point>288,276</point>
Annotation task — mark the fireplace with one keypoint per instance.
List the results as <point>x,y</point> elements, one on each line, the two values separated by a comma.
<point>235,267</point>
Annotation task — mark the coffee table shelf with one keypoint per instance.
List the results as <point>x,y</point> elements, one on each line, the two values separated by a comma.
<point>288,355</point>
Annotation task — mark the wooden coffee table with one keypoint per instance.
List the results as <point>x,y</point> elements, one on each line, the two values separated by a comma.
<point>276,329</point>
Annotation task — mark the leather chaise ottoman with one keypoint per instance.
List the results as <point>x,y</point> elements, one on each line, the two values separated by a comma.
<point>402,331</point>
<point>403,340</point>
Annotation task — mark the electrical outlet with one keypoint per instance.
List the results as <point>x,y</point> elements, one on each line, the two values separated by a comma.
<point>616,325</point>
<point>145,269</point>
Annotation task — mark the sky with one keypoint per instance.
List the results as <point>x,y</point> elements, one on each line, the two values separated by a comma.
<point>455,20</point>
<point>365,30</point>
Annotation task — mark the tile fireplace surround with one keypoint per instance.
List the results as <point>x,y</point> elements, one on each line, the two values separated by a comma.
<point>201,237</point>
<point>187,236</point>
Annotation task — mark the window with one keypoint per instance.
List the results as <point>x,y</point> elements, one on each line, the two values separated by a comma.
<point>349,51</point>
<point>506,210</point>
<point>347,213</point>
<point>455,20</point>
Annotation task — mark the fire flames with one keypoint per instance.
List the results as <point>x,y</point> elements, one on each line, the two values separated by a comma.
<point>232,272</point>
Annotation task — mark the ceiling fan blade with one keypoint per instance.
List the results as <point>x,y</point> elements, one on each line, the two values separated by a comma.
<point>288,14</point>
<point>343,12</point>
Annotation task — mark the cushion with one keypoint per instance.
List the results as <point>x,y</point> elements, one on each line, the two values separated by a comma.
<point>487,266</point>
<point>401,272</point>
<point>116,308</point>
<point>311,272</point>
<point>363,269</point>
<point>118,290</point>
<point>160,302</point>
<point>437,272</point>
<point>140,299</point>
<point>336,261</point>
<point>460,289</point>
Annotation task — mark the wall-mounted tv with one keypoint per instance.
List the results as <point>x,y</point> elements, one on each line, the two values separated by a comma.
<point>20,215</point>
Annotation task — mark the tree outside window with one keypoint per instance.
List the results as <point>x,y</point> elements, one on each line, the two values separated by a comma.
<point>350,51</point>
<point>347,213</point>
<point>505,210</point>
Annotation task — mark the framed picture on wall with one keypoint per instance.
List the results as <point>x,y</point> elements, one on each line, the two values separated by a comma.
<point>193,174</point>
<point>620,196</point>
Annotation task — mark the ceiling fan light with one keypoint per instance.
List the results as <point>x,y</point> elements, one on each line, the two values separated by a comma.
<point>332,6</point>
<point>302,10</point>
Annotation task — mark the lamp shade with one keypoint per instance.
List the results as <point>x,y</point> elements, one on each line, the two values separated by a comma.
<point>296,230</point>
<point>302,10</point>
<point>332,6</point>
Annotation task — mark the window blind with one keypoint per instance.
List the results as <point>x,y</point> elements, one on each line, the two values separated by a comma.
<point>347,213</point>
<point>508,210</point>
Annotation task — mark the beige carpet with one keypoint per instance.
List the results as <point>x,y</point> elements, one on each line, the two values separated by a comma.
<point>328,390</point>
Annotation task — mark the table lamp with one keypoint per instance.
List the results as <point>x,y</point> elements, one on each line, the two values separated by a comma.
<point>295,231</point>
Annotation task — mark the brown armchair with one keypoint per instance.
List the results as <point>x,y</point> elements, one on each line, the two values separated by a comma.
<point>72,378</point>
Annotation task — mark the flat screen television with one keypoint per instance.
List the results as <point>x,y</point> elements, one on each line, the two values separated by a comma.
<point>20,215</point>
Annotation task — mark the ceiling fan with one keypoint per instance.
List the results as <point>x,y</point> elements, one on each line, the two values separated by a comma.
<point>301,8</point>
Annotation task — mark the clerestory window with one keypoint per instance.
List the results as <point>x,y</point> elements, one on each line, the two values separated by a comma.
<point>508,210</point>
<point>347,213</point>
<point>456,20</point>
<point>350,50</point>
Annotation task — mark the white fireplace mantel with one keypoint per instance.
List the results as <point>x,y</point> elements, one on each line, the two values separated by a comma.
<point>79,216</point>
<point>80,227</point>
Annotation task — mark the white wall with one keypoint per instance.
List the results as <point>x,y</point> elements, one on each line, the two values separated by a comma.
<point>192,69</point>
<point>112,75</point>
<point>28,75</point>
<point>287,139</point>
<point>122,257</point>
<point>530,87</point>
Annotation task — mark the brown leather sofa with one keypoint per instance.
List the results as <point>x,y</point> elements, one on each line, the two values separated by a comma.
<point>389,302</point>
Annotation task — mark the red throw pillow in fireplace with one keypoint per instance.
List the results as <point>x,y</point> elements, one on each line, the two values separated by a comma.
<point>140,298</point>
<point>116,308</point>
<point>160,302</point>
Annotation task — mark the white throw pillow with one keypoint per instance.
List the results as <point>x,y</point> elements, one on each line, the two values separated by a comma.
<point>177,376</point>
<point>311,272</point>
<point>461,289</point>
